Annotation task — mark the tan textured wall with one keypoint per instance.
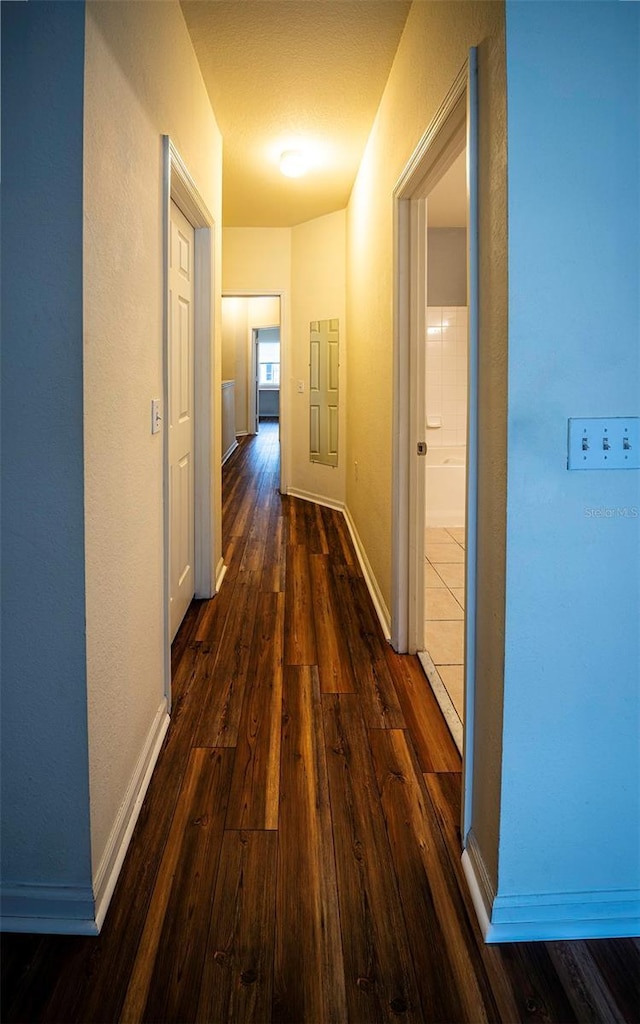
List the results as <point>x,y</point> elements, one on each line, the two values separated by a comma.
<point>256,260</point>
<point>233,321</point>
<point>432,50</point>
<point>318,293</point>
<point>139,63</point>
<point>234,356</point>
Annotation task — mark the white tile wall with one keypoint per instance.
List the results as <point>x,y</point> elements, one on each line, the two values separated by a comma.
<point>447,374</point>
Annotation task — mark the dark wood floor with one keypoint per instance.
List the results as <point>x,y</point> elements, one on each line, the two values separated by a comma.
<point>297,857</point>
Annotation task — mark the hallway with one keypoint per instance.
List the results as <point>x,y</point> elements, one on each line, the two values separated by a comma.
<point>297,857</point>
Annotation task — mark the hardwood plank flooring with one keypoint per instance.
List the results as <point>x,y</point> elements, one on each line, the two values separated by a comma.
<point>433,742</point>
<point>379,969</point>
<point>237,978</point>
<point>254,798</point>
<point>432,902</point>
<point>334,663</point>
<point>220,719</point>
<point>179,953</point>
<point>309,973</point>
<point>297,855</point>
<point>299,628</point>
<point>378,699</point>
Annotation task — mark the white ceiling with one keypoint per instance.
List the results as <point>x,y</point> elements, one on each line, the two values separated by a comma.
<point>282,73</point>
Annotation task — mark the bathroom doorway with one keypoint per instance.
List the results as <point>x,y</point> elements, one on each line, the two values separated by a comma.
<point>453,129</point>
<point>446,397</point>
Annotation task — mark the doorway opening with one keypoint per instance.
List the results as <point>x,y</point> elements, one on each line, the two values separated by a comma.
<point>245,316</point>
<point>435,410</point>
<point>446,391</point>
<point>266,375</point>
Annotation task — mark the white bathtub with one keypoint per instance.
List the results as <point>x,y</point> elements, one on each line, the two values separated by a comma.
<point>446,479</point>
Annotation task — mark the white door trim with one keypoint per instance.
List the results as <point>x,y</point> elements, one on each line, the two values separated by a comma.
<point>253,376</point>
<point>179,186</point>
<point>285,473</point>
<point>472,441</point>
<point>417,373</point>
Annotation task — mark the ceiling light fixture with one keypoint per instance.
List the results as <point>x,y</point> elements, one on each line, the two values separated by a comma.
<point>293,163</point>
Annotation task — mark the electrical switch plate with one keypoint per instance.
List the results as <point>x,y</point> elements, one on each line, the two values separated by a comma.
<point>609,442</point>
<point>156,417</point>
<point>301,387</point>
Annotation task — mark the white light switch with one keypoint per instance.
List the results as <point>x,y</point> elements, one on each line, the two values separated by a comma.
<point>156,416</point>
<point>604,443</point>
<point>301,387</point>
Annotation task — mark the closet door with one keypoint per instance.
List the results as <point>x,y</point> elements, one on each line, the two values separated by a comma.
<point>181,401</point>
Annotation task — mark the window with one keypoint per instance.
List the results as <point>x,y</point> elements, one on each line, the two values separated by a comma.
<point>269,364</point>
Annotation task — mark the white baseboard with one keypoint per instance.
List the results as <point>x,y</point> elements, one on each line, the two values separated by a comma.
<point>379,604</point>
<point>544,917</point>
<point>317,499</point>
<point>445,703</point>
<point>480,887</point>
<point>230,450</point>
<point>109,868</point>
<point>221,572</point>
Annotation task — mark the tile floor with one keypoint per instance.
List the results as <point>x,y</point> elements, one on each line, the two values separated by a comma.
<point>444,608</point>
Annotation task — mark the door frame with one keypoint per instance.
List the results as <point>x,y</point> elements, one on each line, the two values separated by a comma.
<point>254,412</point>
<point>455,122</point>
<point>283,421</point>
<point>179,187</point>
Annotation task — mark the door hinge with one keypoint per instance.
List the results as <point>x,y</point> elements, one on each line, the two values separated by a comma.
<point>422,447</point>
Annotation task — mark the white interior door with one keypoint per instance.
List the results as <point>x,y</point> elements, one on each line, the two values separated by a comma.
<point>181,418</point>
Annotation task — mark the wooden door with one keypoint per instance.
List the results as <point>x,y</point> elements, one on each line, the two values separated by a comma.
<point>181,417</point>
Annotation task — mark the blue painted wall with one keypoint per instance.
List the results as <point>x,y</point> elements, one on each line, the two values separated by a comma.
<point>570,810</point>
<point>45,793</point>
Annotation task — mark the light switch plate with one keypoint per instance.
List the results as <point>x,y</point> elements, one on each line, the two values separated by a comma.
<point>606,442</point>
